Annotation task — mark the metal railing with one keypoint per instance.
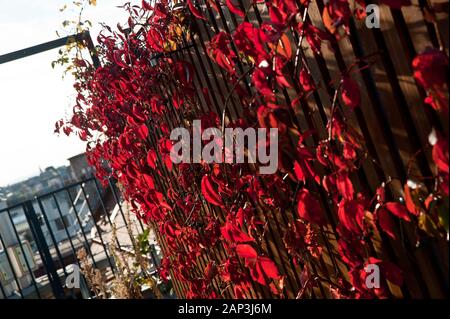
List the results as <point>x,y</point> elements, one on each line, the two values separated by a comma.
<point>40,238</point>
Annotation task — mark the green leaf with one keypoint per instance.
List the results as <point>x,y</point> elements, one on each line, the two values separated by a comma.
<point>143,242</point>
<point>443,212</point>
<point>427,225</point>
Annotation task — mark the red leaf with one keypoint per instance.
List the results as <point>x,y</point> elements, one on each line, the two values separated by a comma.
<point>142,131</point>
<point>349,151</point>
<point>168,161</point>
<point>184,72</point>
<point>351,213</point>
<point>214,5</point>
<point>430,68</point>
<point>351,251</point>
<point>246,251</point>
<point>210,270</point>
<point>224,62</point>
<point>314,36</point>
<point>398,210</point>
<point>234,9</point>
<point>306,80</point>
<point>177,100</point>
<point>171,229</point>
<point>195,11</point>
<point>350,94</point>
<point>118,59</point>
<point>146,6</point>
<point>440,154</point>
<point>410,204</point>
<point>299,173</point>
<point>154,40</point>
<point>385,221</point>
<point>221,52</point>
<point>209,192</point>
<point>83,135</point>
<point>392,273</point>
<point>269,267</point>
<point>308,208</point>
<point>67,130</point>
<point>261,83</point>
<point>233,234</point>
<point>344,185</point>
<point>151,159</point>
<point>149,181</point>
<point>262,270</point>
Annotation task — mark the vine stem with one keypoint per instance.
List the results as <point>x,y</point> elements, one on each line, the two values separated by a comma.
<point>224,111</point>
<point>333,109</point>
<point>192,211</point>
<point>300,40</point>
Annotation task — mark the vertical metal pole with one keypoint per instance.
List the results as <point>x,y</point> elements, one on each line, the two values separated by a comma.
<point>97,228</point>
<point>30,214</point>
<point>11,266</point>
<point>77,216</point>
<point>24,255</point>
<point>52,236</point>
<point>116,198</point>
<point>154,257</point>
<point>105,210</point>
<point>84,290</point>
<point>69,237</point>
<point>90,45</point>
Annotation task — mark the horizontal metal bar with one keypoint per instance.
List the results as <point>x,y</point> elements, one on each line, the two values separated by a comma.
<point>50,193</point>
<point>42,47</point>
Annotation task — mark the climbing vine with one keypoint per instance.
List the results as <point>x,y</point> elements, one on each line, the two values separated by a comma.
<point>212,219</point>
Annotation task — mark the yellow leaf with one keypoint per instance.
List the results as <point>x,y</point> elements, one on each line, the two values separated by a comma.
<point>426,224</point>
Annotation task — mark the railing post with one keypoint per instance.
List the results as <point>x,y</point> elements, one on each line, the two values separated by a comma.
<point>54,279</point>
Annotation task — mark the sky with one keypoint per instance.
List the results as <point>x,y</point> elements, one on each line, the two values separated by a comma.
<point>33,96</point>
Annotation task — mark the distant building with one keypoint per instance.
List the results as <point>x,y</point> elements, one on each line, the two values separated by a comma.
<point>80,167</point>
<point>48,180</point>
